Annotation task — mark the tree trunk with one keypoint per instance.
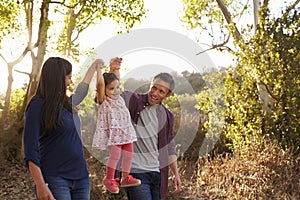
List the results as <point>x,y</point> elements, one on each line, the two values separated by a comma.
<point>265,98</point>
<point>255,12</point>
<point>5,120</point>
<point>11,143</point>
<point>37,61</point>
<point>228,18</point>
<point>33,82</point>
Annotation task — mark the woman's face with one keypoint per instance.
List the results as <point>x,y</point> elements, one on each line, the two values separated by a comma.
<point>69,80</point>
<point>112,90</point>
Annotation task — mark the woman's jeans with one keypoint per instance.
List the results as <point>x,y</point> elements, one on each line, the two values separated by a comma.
<point>148,190</point>
<point>65,189</point>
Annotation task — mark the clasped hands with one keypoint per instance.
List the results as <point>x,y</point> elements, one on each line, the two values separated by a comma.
<point>114,64</point>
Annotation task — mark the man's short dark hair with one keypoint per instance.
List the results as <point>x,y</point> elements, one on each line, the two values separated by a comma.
<point>167,78</point>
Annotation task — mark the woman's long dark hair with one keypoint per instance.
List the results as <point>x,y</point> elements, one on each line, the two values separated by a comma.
<point>52,89</point>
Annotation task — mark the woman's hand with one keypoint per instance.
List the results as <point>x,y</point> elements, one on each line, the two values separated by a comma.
<point>96,65</point>
<point>43,192</point>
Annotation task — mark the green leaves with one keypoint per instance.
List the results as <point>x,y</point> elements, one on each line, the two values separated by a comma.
<point>81,14</point>
<point>9,12</point>
<point>262,90</point>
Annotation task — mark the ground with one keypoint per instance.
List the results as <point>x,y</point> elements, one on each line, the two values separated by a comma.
<point>15,181</point>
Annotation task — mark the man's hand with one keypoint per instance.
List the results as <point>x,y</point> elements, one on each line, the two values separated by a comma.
<point>174,169</point>
<point>177,184</point>
<point>115,64</point>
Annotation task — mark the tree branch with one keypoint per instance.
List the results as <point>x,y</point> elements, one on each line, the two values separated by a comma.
<point>291,7</point>
<point>26,73</point>
<point>266,3</point>
<point>63,3</point>
<point>269,91</point>
<point>29,10</point>
<point>227,16</point>
<point>215,46</point>
<point>18,60</point>
<point>3,58</point>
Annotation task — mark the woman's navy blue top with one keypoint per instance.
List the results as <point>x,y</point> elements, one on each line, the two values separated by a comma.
<point>59,153</point>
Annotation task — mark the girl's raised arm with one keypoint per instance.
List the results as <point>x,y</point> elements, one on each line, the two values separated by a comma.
<point>100,85</point>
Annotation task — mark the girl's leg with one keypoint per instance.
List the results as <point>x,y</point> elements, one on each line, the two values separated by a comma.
<point>109,181</point>
<point>114,156</point>
<point>128,180</point>
<point>127,152</point>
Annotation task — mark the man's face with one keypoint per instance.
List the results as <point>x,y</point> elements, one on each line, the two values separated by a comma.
<point>158,91</point>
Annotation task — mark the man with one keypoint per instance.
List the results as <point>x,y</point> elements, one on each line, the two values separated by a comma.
<point>154,151</point>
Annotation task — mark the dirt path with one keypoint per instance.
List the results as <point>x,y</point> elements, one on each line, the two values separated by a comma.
<point>15,182</point>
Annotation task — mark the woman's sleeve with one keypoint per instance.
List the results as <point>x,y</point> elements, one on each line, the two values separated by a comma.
<point>80,93</point>
<point>32,130</point>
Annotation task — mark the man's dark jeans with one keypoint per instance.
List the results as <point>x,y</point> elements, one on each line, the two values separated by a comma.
<point>148,190</point>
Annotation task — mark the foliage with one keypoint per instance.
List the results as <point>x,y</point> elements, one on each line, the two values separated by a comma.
<point>80,14</point>
<point>272,58</point>
<point>42,28</point>
<point>16,104</point>
<point>53,27</point>
<point>185,83</point>
<point>243,110</point>
<point>207,16</point>
<point>9,12</point>
<point>139,86</point>
<point>269,59</point>
<point>188,83</point>
<point>211,101</point>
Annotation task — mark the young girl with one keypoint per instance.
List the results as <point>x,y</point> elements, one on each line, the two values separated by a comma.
<point>114,129</point>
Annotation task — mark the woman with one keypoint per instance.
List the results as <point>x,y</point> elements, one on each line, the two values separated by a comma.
<point>52,138</point>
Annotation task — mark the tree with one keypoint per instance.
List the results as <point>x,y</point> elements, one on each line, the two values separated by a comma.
<point>267,65</point>
<point>33,23</point>
<point>9,12</point>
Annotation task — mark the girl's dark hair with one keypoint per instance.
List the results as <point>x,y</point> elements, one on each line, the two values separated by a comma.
<point>52,89</point>
<point>108,78</point>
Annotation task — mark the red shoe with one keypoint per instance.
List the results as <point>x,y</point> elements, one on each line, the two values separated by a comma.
<point>130,181</point>
<point>111,185</point>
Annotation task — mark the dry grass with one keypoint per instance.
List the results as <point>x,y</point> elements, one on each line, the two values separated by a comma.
<point>266,174</point>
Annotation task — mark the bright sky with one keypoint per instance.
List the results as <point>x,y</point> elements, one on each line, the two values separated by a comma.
<point>162,14</point>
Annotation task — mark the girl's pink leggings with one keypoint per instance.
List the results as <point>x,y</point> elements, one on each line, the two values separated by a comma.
<point>114,157</point>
